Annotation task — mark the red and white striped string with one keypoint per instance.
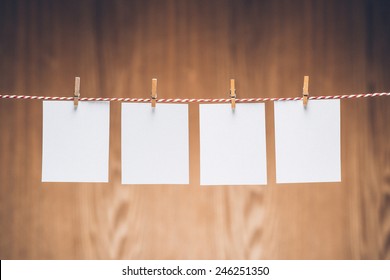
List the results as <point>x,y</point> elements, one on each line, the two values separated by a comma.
<point>192,100</point>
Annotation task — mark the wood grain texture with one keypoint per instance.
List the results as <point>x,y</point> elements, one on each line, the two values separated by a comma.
<point>194,48</point>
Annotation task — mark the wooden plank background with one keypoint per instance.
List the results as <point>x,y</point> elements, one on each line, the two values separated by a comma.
<point>194,48</point>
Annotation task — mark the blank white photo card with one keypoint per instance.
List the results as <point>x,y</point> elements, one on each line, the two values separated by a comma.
<point>75,141</point>
<point>307,141</point>
<point>155,144</point>
<point>232,144</point>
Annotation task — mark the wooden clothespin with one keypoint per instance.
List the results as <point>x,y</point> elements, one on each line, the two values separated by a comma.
<point>305,90</point>
<point>154,93</point>
<point>76,94</point>
<point>232,94</point>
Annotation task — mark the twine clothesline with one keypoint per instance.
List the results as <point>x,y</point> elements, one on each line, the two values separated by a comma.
<point>192,100</point>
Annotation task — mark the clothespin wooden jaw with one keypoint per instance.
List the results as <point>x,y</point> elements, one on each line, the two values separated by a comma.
<point>233,93</point>
<point>76,94</point>
<point>154,93</point>
<point>305,90</point>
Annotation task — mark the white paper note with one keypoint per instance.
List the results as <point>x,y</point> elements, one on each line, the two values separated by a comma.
<point>307,141</point>
<point>155,148</point>
<point>232,144</point>
<point>75,141</point>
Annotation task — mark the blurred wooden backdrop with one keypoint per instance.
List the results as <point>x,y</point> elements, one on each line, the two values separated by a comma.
<point>194,48</point>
